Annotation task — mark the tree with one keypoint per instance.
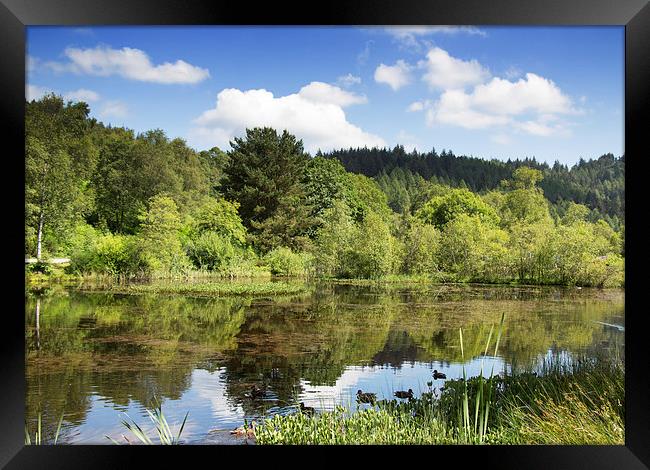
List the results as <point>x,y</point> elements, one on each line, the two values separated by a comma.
<point>50,189</point>
<point>574,213</point>
<point>159,234</point>
<point>325,182</point>
<point>525,203</point>
<point>374,250</point>
<point>440,210</point>
<point>262,169</point>
<point>219,216</point>
<point>474,250</point>
<point>333,240</point>
<point>420,243</point>
<point>59,158</point>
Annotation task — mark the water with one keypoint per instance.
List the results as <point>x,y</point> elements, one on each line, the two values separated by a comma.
<point>92,357</point>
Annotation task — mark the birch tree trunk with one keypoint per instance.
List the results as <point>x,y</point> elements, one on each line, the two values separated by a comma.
<point>40,236</point>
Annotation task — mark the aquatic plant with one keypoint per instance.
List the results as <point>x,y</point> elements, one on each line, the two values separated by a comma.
<point>38,434</point>
<point>476,429</point>
<point>161,426</point>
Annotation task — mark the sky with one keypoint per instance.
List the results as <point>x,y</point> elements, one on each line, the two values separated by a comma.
<point>553,93</point>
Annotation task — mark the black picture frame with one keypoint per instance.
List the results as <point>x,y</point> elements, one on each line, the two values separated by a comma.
<point>633,14</point>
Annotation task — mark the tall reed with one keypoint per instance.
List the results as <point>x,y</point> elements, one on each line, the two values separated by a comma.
<point>476,430</point>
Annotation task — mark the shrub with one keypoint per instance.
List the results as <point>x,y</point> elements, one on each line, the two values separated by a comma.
<point>110,254</point>
<point>284,262</point>
<point>215,252</point>
<point>40,267</point>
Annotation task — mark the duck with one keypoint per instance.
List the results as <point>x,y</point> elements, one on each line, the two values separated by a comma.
<point>438,375</point>
<point>403,394</point>
<point>243,431</point>
<point>257,392</point>
<point>366,397</point>
<point>308,410</point>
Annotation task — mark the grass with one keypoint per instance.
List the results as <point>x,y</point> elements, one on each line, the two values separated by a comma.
<point>161,426</point>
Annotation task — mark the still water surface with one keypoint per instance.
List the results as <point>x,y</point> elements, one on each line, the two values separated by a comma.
<point>92,357</point>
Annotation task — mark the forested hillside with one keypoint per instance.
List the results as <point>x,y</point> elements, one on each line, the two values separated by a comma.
<point>143,205</point>
<point>599,184</point>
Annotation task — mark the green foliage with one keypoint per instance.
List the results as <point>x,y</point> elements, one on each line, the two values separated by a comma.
<point>284,262</point>
<point>373,250</point>
<point>575,213</point>
<point>598,183</point>
<point>221,217</point>
<point>326,181</point>
<point>440,210</point>
<point>159,235</point>
<point>59,159</point>
<point>262,169</point>
<point>40,267</point>
<point>420,244</point>
<point>214,252</point>
<point>289,226</point>
<point>88,186</point>
<point>367,197</point>
<point>473,250</point>
<point>526,178</point>
<point>333,241</point>
<point>114,255</point>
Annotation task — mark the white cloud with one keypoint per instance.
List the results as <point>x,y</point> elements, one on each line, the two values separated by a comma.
<point>348,80</point>
<point>114,109</point>
<point>412,38</point>
<point>320,92</point>
<point>35,92</point>
<point>418,106</point>
<point>532,104</point>
<point>447,72</point>
<point>316,118</point>
<point>396,76</point>
<point>129,63</point>
<point>82,94</point>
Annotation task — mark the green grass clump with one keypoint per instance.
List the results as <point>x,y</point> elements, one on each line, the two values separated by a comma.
<point>370,426</point>
<point>215,289</point>
<point>162,428</point>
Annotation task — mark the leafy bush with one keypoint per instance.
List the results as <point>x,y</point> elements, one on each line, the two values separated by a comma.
<point>284,262</point>
<point>110,254</point>
<point>215,252</point>
<point>40,267</point>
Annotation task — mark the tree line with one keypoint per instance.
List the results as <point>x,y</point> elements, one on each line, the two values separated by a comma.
<point>129,204</point>
<point>599,184</point>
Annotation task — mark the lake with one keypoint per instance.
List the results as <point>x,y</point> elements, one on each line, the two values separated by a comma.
<point>93,356</point>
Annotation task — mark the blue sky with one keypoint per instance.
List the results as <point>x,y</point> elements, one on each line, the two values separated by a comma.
<point>555,93</point>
